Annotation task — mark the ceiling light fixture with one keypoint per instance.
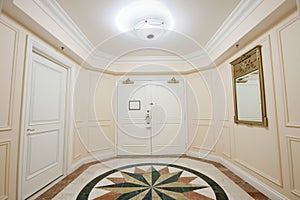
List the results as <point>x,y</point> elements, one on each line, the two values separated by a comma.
<point>144,13</point>
<point>150,29</point>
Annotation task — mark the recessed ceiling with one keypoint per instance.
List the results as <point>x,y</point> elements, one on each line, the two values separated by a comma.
<point>195,20</point>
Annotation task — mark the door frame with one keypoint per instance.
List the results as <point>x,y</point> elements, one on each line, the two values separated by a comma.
<point>151,78</point>
<point>34,45</point>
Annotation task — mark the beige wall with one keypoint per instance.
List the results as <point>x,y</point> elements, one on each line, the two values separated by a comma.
<point>272,154</point>
<point>94,120</point>
<point>12,53</point>
<point>286,41</point>
<point>199,105</point>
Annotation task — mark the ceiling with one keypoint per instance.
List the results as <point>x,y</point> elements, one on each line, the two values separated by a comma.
<point>204,32</point>
<point>195,24</point>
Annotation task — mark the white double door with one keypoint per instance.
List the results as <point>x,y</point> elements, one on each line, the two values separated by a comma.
<point>151,118</point>
<point>44,119</point>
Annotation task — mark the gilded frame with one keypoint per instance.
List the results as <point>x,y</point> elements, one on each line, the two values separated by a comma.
<point>243,65</point>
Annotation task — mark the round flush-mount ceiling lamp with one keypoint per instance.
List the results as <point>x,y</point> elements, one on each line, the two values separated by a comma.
<point>136,13</point>
<point>150,29</point>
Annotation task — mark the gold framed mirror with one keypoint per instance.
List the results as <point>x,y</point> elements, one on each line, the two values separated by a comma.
<point>248,89</point>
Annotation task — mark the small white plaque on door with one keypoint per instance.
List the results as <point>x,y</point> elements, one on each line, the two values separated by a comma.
<point>134,105</point>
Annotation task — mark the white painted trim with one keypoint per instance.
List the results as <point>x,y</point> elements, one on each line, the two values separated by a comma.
<point>238,15</point>
<point>150,59</point>
<point>165,59</point>
<point>70,116</point>
<point>55,11</point>
<point>36,45</point>
<point>149,78</point>
<point>259,185</point>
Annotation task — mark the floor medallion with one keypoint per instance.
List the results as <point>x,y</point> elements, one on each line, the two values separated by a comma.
<point>152,181</point>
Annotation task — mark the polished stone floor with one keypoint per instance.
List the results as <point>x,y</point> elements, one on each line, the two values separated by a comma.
<point>152,178</point>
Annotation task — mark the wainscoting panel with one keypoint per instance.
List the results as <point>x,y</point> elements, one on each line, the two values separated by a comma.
<point>204,137</point>
<point>4,166</point>
<point>294,160</point>
<point>93,80</point>
<point>8,50</point>
<point>253,145</point>
<point>77,151</point>
<point>81,96</point>
<point>226,141</point>
<point>289,56</point>
<point>97,141</point>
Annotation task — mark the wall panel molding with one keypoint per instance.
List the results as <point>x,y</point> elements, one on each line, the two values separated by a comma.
<point>288,79</point>
<point>76,152</point>
<point>206,142</point>
<point>103,142</point>
<point>255,182</point>
<point>252,145</point>
<point>226,142</point>
<point>4,169</point>
<point>262,174</point>
<point>8,78</point>
<point>293,144</point>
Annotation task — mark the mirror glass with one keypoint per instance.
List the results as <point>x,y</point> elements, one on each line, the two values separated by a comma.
<point>248,97</point>
<point>248,85</point>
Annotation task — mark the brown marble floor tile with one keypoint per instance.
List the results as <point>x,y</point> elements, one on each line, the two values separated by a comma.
<point>54,190</point>
<point>233,176</point>
<point>258,196</point>
<point>195,196</point>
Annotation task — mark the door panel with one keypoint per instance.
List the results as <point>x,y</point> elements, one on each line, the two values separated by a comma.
<point>168,129</point>
<point>165,105</point>
<point>44,124</point>
<point>130,143</point>
<point>46,82</point>
<point>133,135</point>
<point>43,152</point>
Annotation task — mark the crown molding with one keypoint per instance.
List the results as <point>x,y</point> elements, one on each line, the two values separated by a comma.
<point>150,59</point>
<point>100,59</point>
<point>238,15</point>
<point>55,11</point>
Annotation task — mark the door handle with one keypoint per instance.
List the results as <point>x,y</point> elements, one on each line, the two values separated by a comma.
<point>30,129</point>
<point>148,119</point>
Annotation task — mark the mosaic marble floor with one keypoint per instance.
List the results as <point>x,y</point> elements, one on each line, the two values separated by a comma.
<point>152,178</point>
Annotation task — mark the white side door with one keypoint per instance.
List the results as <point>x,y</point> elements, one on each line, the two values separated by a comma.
<point>43,148</point>
<point>134,134</point>
<point>168,118</point>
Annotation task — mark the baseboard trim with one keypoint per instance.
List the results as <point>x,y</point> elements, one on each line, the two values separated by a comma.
<point>259,185</point>
<point>91,158</point>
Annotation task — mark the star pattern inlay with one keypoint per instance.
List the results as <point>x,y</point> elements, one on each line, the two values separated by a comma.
<point>151,184</point>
